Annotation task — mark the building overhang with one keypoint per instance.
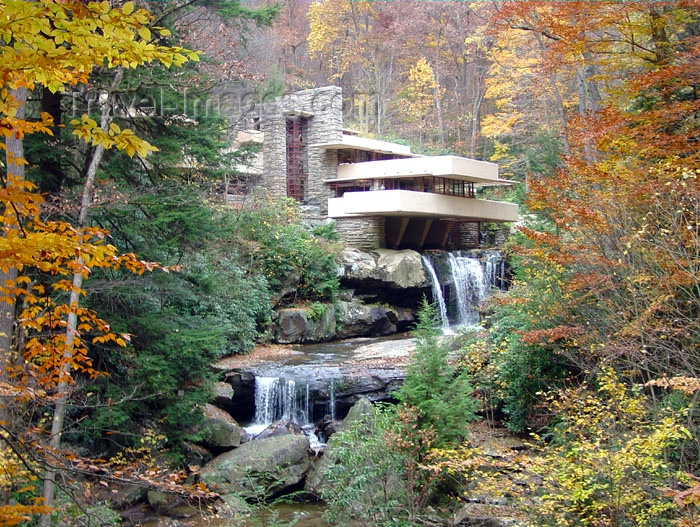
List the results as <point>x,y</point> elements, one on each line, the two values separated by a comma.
<point>420,204</point>
<point>453,167</point>
<point>353,142</point>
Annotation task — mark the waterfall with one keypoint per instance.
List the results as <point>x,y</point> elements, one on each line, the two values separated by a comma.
<point>265,399</point>
<point>495,270</point>
<point>468,281</point>
<point>469,287</point>
<point>277,398</point>
<point>437,292</point>
<point>331,401</point>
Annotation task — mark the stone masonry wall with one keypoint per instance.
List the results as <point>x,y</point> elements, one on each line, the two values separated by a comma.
<point>469,235</point>
<point>274,176</point>
<point>323,108</point>
<point>361,233</point>
<point>325,126</point>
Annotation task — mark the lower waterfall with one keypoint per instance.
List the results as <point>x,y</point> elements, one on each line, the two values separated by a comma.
<point>278,398</point>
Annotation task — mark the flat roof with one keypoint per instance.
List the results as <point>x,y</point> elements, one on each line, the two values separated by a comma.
<point>353,142</point>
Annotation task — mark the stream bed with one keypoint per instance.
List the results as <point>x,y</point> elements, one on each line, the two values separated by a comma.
<point>282,514</point>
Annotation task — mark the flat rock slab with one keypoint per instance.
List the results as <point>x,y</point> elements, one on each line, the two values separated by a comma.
<point>340,354</point>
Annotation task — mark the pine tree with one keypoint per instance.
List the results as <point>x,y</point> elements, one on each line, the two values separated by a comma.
<point>436,389</point>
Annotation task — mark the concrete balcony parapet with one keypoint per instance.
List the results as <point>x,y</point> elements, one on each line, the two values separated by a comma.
<point>410,203</point>
<point>452,167</point>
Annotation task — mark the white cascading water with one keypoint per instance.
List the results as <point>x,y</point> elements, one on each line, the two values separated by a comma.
<point>265,399</point>
<point>331,401</point>
<point>495,268</point>
<point>471,282</point>
<point>469,287</point>
<point>437,293</point>
<point>277,398</point>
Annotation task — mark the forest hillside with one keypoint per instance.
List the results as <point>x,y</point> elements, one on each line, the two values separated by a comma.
<point>126,274</point>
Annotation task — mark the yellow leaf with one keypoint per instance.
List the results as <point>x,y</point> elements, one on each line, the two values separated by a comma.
<point>145,33</point>
<point>128,8</point>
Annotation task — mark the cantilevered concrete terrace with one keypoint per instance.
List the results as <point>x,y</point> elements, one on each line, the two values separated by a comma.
<point>354,142</point>
<point>454,167</point>
<point>433,187</point>
<point>423,204</point>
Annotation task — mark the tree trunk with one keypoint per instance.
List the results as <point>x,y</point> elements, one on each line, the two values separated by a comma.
<point>438,107</point>
<point>15,151</point>
<point>59,413</point>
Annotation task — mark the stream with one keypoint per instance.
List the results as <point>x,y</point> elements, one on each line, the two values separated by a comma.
<point>314,384</point>
<point>282,515</point>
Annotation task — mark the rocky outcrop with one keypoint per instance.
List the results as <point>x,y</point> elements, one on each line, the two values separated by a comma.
<point>265,467</point>
<point>359,320</point>
<point>401,269</point>
<point>163,502</point>
<point>315,481</point>
<point>346,319</point>
<point>383,267</point>
<point>219,430</point>
<point>223,394</point>
<point>388,283</point>
<point>296,325</point>
<point>195,454</point>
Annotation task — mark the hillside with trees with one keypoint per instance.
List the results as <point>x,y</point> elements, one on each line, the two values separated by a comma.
<point>125,273</point>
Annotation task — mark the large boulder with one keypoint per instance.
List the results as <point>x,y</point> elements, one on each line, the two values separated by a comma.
<point>223,395</point>
<point>361,411</point>
<point>359,320</point>
<point>295,325</point>
<point>402,269</point>
<point>279,428</point>
<point>219,430</point>
<point>257,468</point>
<point>356,263</point>
<point>386,267</point>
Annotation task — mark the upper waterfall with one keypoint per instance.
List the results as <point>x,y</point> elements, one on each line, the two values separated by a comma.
<point>460,282</point>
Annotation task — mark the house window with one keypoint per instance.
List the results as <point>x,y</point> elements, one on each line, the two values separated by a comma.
<point>339,189</point>
<point>297,157</point>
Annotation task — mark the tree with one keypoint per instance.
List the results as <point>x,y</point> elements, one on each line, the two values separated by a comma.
<point>436,392</point>
<point>355,43</point>
<point>634,279</point>
<point>56,45</point>
<point>419,95</point>
<point>607,461</point>
<point>611,266</point>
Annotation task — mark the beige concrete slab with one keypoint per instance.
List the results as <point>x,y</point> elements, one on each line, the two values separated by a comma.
<point>408,203</point>
<point>454,167</point>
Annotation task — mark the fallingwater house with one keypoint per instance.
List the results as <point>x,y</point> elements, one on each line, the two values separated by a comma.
<point>380,194</point>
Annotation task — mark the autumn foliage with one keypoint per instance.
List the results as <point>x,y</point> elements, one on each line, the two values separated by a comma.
<point>610,261</point>
<point>624,205</point>
<point>53,46</point>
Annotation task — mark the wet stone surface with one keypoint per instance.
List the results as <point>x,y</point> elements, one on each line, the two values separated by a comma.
<point>327,378</point>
